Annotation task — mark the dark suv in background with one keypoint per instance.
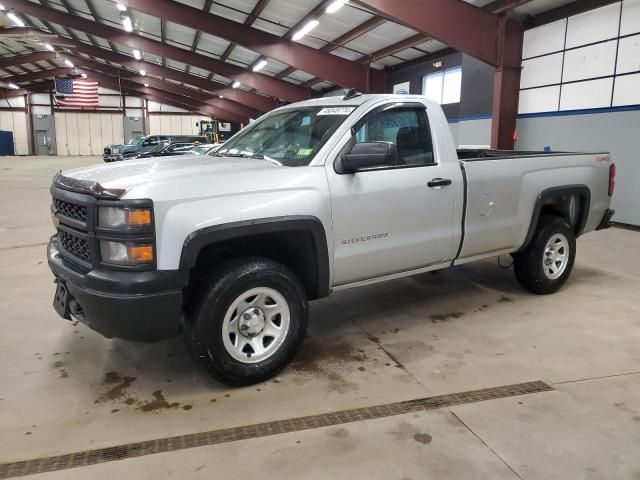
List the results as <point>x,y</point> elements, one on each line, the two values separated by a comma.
<point>136,145</point>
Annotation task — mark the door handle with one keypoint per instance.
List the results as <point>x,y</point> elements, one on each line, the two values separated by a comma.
<point>439,183</point>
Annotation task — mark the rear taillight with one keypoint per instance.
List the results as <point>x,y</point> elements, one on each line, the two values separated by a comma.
<point>612,178</point>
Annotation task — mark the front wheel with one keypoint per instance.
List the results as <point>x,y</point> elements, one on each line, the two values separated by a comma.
<point>249,321</point>
<point>545,265</point>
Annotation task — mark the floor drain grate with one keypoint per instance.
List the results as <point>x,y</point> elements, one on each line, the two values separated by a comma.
<point>160,445</point>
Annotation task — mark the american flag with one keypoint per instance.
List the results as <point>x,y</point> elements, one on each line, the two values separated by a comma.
<point>76,92</point>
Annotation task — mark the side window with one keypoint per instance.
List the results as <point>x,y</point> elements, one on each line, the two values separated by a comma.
<point>406,128</point>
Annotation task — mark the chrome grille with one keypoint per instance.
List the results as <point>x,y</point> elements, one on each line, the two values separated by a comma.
<point>71,210</point>
<point>76,246</point>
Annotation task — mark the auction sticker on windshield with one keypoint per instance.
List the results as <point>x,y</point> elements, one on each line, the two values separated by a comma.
<point>336,111</point>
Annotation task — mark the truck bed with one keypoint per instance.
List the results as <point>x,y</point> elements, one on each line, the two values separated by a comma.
<point>477,154</point>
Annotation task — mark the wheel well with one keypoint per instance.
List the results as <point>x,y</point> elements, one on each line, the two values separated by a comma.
<point>570,203</point>
<point>572,207</point>
<point>293,248</point>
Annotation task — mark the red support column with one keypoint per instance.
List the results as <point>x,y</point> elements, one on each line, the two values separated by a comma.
<point>506,85</point>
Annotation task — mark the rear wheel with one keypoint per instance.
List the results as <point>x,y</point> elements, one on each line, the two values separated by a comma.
<point>545,265</point>
<point>249,321</point>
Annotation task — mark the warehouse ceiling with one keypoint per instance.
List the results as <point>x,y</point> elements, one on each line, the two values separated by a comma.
<point>243,44</point>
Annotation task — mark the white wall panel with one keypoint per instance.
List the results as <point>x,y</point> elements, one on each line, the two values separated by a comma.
<point>84,134</point>
<point>593,26</point>
<point>102,90</point>
<point>61,133</point>
<point>106,129</point>
<point>16,122</point>
<point>630,17</point>
<point>539,100</point>
<point>545,39</point>
<point>590,62</point>
<point>629,54</point>
<point>109,101</point>
<point>627,90</point>
<point>133,112</point>
<point>39,110</point>
<point>117,124</point>
<point>95,128</point>
<point>175,124</point>
<point>13,102</point>
<point>133,102</point>
<point>583,95</point>
<point>541,71</point>
<point>73,143</point>
<point>41,98</point>
<point>154,124</point>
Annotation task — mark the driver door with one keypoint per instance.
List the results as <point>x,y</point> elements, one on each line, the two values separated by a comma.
<point>388,219</point>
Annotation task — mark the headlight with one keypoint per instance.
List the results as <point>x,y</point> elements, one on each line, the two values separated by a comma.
<point>123,254</point>
<point>116,217</point>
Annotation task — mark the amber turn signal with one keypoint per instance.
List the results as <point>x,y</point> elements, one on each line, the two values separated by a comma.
<point>138,217</point>
<point>140,253</point>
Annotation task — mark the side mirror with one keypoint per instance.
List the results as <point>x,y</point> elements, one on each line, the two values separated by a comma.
<point>368,155</point>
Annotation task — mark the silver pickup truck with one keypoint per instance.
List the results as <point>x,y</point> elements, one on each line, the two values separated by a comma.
<point>314,197</point>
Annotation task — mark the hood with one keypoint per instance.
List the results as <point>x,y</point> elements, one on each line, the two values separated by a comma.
<point>174,171</point>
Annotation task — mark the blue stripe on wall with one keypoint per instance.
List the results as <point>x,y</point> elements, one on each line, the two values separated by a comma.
<point>564,113</point>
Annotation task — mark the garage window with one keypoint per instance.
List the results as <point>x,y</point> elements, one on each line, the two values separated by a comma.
<point>443,87</point>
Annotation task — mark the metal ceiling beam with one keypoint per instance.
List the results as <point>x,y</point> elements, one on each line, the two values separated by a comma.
<point>354,33</point>
<point>503,6</point>
<point>568,10</point>
<point>253,16</point>
<point>195,97</point>
<point>237,106</point>
<point>255,101</point>
<point>329,67</point>
<point>28,58</point>
<point>465,27</point>
<point>111,82</point>
<point>196,38</point>
<point>262,83</point>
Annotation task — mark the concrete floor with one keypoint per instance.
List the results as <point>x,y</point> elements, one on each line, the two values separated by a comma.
<point>64,388</point>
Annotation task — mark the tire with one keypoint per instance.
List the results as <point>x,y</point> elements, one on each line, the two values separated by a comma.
<point>545,265</point>
<point>249,320</point>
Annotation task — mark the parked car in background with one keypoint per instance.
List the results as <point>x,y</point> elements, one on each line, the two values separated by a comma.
<point>136,145</point>
<point>202,149</point>
<point>169,150</point>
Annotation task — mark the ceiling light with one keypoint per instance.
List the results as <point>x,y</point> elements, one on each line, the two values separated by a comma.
<point>235,84</point>
<point>143,72</point>
<point>310,25</point>
<point>335,6</point>
<point>121,7</point>
<point>126,22</point>
<point>136,54</point>
<point>260,65</point>
<point>221,96</point>
<point>49,47</point>
<point>146,85</point>
<point>15,18</point>
<point>68,63</point>
<point>13,85</point>
<point>83,75</point>
<point>2,7</point>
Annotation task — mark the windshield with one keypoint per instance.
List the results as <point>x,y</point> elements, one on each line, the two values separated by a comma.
<point>136,141</point>
<point>291,137</point>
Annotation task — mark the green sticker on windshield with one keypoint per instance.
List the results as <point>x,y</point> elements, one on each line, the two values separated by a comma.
<point>304,152</point>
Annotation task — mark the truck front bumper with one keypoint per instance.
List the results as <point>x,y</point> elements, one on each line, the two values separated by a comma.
<point>136,306</point>
<point>112,158</point>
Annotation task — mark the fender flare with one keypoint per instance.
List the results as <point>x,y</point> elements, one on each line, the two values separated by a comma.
<point>199,239</point>
<point>582,191</point>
